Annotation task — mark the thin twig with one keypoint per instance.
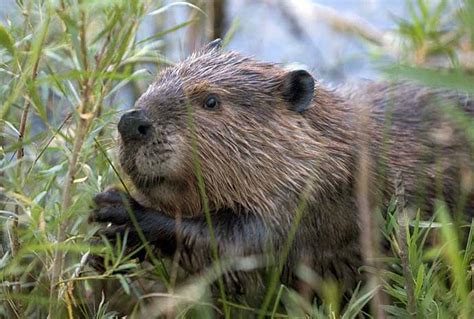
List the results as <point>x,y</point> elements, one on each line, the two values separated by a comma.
<point>216,22</point>
<point>82,129</point>
<point>403,243</point>
<point>20,153</point>
<point>368,236</point>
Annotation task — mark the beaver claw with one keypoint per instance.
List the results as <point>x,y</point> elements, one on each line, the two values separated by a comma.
<point>111,207</point>
<point>113,212</point>
<point>120,216</point>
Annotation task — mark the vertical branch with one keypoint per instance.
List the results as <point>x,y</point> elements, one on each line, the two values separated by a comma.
<point>402,218</point>
<point>66,204</point>
<point>83,126</point>
<point>88,110</point>
<point>216,19</point>
<point>14,233</point>
<point>196,31</point>
<point>368,235</point>
<point>472,277</point>
<point>20,153</point>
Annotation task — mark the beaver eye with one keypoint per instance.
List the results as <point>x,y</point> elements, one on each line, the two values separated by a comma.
<point>211,102</point>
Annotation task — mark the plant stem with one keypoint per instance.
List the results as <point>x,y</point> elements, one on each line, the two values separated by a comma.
<point>368,236</point>
<point>82,129</point>
<point>66,204</point>
<point>15,237</point>
<point>403,243</point>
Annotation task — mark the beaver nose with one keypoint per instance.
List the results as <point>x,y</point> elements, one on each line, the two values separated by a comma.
<point>133,125</point>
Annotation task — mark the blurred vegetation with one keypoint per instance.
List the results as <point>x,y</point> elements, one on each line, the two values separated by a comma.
<point>62,65</point>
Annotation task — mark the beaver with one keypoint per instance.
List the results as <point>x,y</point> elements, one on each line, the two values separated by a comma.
<point>256,146</point>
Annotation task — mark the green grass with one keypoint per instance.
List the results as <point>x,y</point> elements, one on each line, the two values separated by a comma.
<point>62,64</point>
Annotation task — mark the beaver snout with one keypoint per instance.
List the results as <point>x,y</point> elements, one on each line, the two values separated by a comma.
<point>133,125</point>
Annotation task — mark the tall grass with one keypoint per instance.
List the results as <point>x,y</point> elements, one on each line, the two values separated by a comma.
<point>63,65</point>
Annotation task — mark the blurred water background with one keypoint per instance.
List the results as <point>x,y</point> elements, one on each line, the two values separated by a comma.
<point>269,33</point>
<point>266,33</point>
<point>333,56</point>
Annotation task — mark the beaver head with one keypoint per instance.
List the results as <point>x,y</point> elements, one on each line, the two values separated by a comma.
<point>223,123</point>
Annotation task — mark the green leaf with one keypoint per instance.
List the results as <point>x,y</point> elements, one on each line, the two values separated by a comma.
<point>6,40</point>
<point>124,283</point>
<point>165,32</point>
<point>397,312</point>
<point>54,170</point>
<point>33,58</point>
<point>357,303</point>
<point>452,79</point>
<point>419,280</point>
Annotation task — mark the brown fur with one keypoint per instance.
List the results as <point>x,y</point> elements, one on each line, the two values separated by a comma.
<point>258,158</point>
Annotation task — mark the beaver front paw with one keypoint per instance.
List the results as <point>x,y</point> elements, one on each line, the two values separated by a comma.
<point>114,212</point>
<point>123,218</point>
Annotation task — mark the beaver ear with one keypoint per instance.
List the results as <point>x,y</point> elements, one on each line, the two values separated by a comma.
<point>213,45</point>
<point>297,89</point>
